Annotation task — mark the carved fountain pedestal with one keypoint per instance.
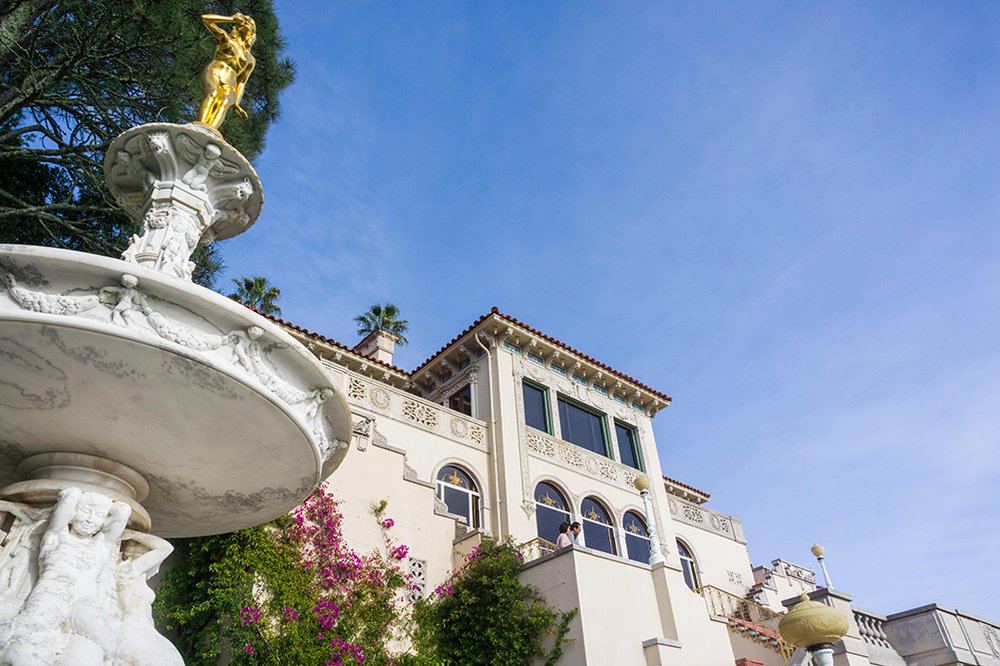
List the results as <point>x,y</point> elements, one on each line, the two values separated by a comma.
<point>136,405</point>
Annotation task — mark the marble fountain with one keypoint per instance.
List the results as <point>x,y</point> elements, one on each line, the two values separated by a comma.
<point>136,405</point>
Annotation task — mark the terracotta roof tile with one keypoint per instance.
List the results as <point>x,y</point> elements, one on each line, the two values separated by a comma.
<point>684,485</point>
<point>547,337</point>
<point>329,341</point>
<point>493,312</point>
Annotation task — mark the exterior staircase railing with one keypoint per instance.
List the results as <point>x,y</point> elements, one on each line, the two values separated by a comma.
<point>747,618</point>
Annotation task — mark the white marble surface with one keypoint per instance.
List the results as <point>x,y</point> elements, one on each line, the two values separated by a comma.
<point>70,593</point>
<point>229,419</point>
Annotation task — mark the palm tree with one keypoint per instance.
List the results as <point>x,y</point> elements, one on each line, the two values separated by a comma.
<point>256,292</point>
<point>383,317</point>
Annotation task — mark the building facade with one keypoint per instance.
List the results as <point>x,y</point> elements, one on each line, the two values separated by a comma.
<point>506,431</point>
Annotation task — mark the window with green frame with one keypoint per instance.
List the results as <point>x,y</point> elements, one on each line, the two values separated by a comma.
<point>536,406</point>
<point>583,427</point>
<point>628,446</point>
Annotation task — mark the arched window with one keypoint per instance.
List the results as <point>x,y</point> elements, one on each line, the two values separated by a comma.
<point>459,492</point>
<point>689,566</point>
<point>598,530</point>
<point>636,537</point>
<point>550,510</point>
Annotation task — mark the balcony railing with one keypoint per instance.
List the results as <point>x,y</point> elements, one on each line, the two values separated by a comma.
<point>747,618</point>
<point>536,548</point>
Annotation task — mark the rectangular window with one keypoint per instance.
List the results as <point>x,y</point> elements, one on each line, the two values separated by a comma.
<point>618,398</point>
<point>628,446</point>
<point>536,407</point>
<point>559,371</point>
<point>462,400</point>
<point>511,347</point>
<point>601,390</point>
<point>639,408</point>
<point>580,379</point>
<point>583,427</point>
<point>464,363</point>
<point>535,358</point>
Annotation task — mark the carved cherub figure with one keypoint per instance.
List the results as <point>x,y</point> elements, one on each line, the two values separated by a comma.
<point>127,301</point>
<point>207,161</point>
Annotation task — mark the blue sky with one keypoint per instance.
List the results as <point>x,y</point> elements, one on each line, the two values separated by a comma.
<point>784,216</point>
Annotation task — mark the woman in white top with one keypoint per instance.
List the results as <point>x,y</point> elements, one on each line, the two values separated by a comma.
<point>563,540</point>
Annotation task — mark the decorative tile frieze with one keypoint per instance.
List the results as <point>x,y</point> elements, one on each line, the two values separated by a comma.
<point>707,519</point>
<point>580,460</point>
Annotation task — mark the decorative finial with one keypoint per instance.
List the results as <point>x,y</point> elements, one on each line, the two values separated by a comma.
<point>225,78</point>
<point>815,627</point>
<point>817,550</point>
<point>641,483</point>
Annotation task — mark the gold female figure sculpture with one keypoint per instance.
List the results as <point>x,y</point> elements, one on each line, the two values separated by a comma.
<point>226,76</point>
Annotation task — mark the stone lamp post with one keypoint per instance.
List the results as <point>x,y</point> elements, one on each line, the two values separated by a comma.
<point>815,627</point>
<point>641,484</point>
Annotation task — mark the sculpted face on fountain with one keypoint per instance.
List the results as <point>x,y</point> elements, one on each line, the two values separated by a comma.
<point>91,513</point>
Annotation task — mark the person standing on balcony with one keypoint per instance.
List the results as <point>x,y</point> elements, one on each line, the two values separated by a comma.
<point>576,532</point>
<point>563,539</point>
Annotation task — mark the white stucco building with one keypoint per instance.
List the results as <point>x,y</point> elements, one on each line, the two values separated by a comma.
<point>507,431</point>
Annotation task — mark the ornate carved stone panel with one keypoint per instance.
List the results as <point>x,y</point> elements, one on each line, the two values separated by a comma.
<point>707,519</point>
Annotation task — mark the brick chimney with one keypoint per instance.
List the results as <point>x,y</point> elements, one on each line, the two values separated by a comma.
<point>379,345</point>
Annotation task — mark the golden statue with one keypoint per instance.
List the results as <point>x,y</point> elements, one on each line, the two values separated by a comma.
<point>226,76</point>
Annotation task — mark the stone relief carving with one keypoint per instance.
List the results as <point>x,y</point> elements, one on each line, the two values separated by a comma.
<point>72,609</point>
<point>418,579</point>
<point>992,638</point>
<point>432,417</point>
<point>38,301</point>
<point>142,555</point>
<point>18,563</point>
<point>205,161</point>
<point>578,459</point>
<point>156,168</point>
<point>70,594</point>
<point>362,431</point>
<point>420,413</point>
<point>127,306</point>
<point>706,519</point>
<point>735,577</point>
<point>409,473</point>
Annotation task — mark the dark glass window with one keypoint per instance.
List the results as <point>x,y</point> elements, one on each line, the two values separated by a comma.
<point>636,537</point>
<point>458,491</point>
<point>462,401</point>
<point>598,530</point>
<point>536,407</point>
<point>550,510</point>
<point>582,427</point>
<point>689,566</point>
<point>628,446</point>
